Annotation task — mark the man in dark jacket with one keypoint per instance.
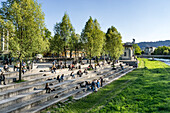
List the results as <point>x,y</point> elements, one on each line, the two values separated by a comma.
<point>101,81</point>
<point>2,78</point>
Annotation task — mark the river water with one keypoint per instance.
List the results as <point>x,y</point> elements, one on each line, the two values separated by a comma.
<point>167,61</point>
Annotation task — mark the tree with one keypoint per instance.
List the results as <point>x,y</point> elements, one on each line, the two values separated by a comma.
<point>57,43</point>
<point>166,52</point>
<point>114,43</point>
<point>142,52</point>
<point>64,30</point>
<point>26,32</point>
<point>104,50</point>
<point>92,38</point>
<point>74,43</point>
<point>137,49</point>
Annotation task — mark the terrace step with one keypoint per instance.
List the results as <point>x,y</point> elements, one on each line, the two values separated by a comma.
<point>30,97</point>
<point>14,92</point>
<point>36,100</point>
<point>86,93</point>
<point>82,95</point>
<point>24,77</point>
<point>52,102</point>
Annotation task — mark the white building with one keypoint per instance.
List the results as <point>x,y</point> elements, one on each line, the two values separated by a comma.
<point>128,52</point>
<point>149,50</point>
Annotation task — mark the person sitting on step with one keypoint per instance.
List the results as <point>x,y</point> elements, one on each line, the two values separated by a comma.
<point>73,76</point>
<point>6,68</point>
<point>47,88</point>
<point>121,66</point>
<point>93,85</point>
<point>95,88</point>
<point>58,78</point>
<point>24,69</point>
<point>62,77</point>
<point>80,73</point>
<point>2,78</point>
<point>98,84</point>
<point>85,71</point>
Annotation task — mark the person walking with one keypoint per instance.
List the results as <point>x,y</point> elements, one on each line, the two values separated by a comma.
<point>95,66</point>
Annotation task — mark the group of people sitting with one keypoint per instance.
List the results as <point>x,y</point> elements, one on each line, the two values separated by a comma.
<point>24,67</point>
<point>61,66</point>
<point>79,73</point>
<point>96,84</point>
<point>59,78</point>
<point>55,66</point>
<point>90,67</point>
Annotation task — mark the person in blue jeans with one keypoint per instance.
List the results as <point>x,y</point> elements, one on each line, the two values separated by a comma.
<point>98,84</point>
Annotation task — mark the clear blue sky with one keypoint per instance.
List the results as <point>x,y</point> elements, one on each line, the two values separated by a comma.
<point>144,20</point>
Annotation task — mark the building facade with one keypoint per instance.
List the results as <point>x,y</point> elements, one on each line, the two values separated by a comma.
<point>128,51</point>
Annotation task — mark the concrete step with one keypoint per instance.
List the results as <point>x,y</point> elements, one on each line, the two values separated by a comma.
<point>36,100</point>
<point>24,77</point>
<point>107,78</point>
<point>119,74</point>
<point>29,89</point>
<point>81,95</point>
<point>19,98</point>
<point>26,83</point>
<point>29,95</point>
<point>51,102</point>
<point>11,74</point>
<point>26,89</point>
<point>34,80</point>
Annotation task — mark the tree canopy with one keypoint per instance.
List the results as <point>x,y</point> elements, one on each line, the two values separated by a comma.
<point>137,49</point>
<point>92,38</point>
<point>24,20</point>
<point>164,50</point>
<point>114,44</point>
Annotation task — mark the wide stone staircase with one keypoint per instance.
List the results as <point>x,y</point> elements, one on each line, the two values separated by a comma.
<point>30,96</point>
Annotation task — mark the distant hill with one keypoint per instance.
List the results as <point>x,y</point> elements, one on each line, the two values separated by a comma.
<point>142,45</point>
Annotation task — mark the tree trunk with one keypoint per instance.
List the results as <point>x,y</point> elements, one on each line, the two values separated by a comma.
<point>65,56</point>
<point>75,53</point>
<point>90,59</point>
<point>97,60</point>
<point>20,69</point>
<point>70,53</point>
<point>58,55</point>
<point>104,59</point>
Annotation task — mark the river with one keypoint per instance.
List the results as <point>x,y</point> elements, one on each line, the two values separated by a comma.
<point>167,61</point>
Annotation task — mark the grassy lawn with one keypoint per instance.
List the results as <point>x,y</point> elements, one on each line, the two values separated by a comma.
<point>146,89</point>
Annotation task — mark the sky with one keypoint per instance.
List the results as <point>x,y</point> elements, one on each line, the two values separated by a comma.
<point>143,20</point>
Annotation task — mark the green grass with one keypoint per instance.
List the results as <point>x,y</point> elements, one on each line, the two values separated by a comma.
<point>146,89</point>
